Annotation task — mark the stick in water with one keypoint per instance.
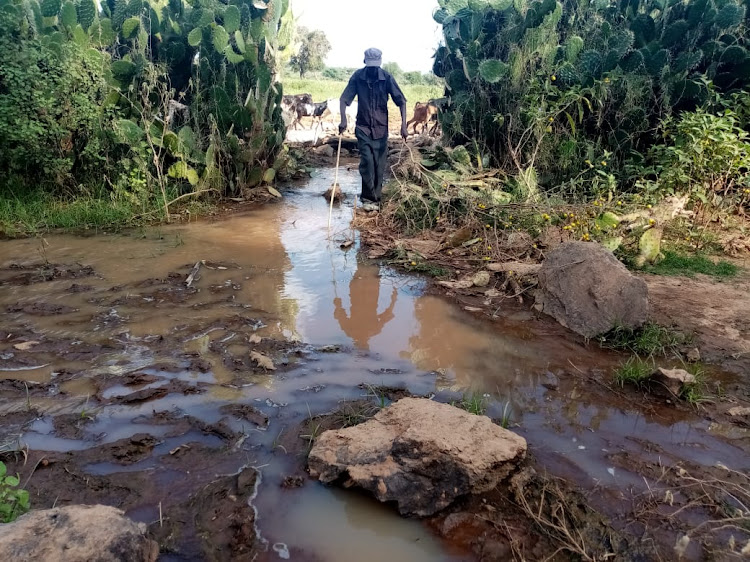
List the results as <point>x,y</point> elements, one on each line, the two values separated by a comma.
<point>333,189</point>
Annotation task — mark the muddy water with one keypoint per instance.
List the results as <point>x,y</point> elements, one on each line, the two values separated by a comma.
<point>106,306</point>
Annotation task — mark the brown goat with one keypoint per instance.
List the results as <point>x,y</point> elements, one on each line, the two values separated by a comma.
<point>423,114</point>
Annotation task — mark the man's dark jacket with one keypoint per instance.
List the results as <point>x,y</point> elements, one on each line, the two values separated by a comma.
<point>372,112</point>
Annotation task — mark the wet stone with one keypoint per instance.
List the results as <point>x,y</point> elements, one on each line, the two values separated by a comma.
<point>420,454</point>
<point>76,533</point>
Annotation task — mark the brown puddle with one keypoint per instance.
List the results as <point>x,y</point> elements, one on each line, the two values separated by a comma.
<point>125,346</point>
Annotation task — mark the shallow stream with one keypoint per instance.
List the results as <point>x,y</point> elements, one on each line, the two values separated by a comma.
<point>345,326</point>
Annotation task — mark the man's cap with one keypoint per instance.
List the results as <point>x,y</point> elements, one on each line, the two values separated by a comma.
<point>373,57</point>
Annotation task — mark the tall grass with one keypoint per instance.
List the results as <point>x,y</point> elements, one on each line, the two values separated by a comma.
<point>39,212</point>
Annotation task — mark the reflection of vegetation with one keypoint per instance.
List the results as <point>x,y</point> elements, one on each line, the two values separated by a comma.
<point>682,264</point>
<point>651,339</point>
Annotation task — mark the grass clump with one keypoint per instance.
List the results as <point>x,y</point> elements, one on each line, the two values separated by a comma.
<point>694,392</point>
<point>39,212</point>
<point>688,265</point>
<point>650,339</point>
<point>635,371</point>
<point>473,403</point>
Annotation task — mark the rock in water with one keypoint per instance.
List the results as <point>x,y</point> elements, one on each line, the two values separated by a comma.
<point>338,195</point>
<point>420,454</point>
<point>76,533</point>
<point>585,288</point>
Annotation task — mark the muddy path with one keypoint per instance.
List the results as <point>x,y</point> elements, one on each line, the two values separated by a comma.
<point>192,406</point>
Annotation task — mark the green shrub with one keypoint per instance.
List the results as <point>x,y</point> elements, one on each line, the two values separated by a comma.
<point>705,155</point>
<point>13,501</point>
<point>548,85</point>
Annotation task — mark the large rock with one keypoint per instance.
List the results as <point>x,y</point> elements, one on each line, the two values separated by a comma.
<point>76,533</point>
<point>585,288</point>
<point>420,454</point>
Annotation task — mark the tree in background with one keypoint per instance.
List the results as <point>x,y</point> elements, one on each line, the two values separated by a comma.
<point>394,70</point>
<point>313,49</point>
<point>413,77</point>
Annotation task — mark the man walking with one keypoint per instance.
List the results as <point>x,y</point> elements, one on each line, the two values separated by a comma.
<point>372,85</point>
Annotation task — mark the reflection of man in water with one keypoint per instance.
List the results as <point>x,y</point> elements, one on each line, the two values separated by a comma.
<point>364,321</point>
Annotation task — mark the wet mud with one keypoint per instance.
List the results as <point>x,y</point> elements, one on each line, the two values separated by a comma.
<point>182,374</point>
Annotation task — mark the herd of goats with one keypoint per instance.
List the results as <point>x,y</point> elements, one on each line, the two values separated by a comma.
<point>295,107</point>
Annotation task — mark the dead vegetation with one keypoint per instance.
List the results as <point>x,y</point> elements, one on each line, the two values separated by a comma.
<point>708,509</point>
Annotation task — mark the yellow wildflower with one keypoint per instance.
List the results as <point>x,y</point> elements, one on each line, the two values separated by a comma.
<point>553,77</point>
<point>414,263</point>
<point>604,162</point>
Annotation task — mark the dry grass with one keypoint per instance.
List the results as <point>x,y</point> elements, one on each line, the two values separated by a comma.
<point>724,501</point>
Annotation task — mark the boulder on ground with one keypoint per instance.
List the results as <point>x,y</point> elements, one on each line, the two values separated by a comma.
<point>419,453</point>
<point>76,533</point>
<point>673,379</point>
<point>585,288</point>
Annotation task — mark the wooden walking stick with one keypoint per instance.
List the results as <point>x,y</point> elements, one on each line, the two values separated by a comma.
<point>334,186</point>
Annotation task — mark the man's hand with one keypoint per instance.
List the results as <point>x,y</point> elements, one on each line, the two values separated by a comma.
<point>342,125</point>
<point>404,132</point>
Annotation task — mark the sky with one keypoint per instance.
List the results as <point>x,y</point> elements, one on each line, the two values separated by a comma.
<point>403,29</point>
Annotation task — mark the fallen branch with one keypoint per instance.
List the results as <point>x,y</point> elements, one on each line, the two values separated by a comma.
<point>517,267</point>
<point>193,273</point>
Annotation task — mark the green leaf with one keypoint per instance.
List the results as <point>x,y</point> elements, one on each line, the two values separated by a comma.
<point>220,38</point>
<point>3,469</point>
<point>11,481</point>
<point>240,41</point>
<point>68,15</point>
<point>181,170</point>
<point>195,36</point>
<point>207,18</point>
<point>129,27</point>
<point>128,132</point>
<point>123,70</point>
<point>80,36</point>
<point>231,19</point>
<point>86,13</point>
<point>501,5</point>
<point>232,57</point>
<point>171,142</point>
<point>269,175</point>
<point>50,8</point>
<point>492,70</point>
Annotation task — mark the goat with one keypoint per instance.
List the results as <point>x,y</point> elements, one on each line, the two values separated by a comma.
<point>333,108</point>
<point>423,114</point>
<point>295,107</point>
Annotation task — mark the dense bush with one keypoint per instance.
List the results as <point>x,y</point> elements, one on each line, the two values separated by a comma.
<point>154,98</point>
<point>570,90</point>
<point>51,96</point>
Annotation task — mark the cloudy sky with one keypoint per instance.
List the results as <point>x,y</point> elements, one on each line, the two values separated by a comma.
<point>403,29</point>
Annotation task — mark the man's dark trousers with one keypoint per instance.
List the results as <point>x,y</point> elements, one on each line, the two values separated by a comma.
<point>373,155</point>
